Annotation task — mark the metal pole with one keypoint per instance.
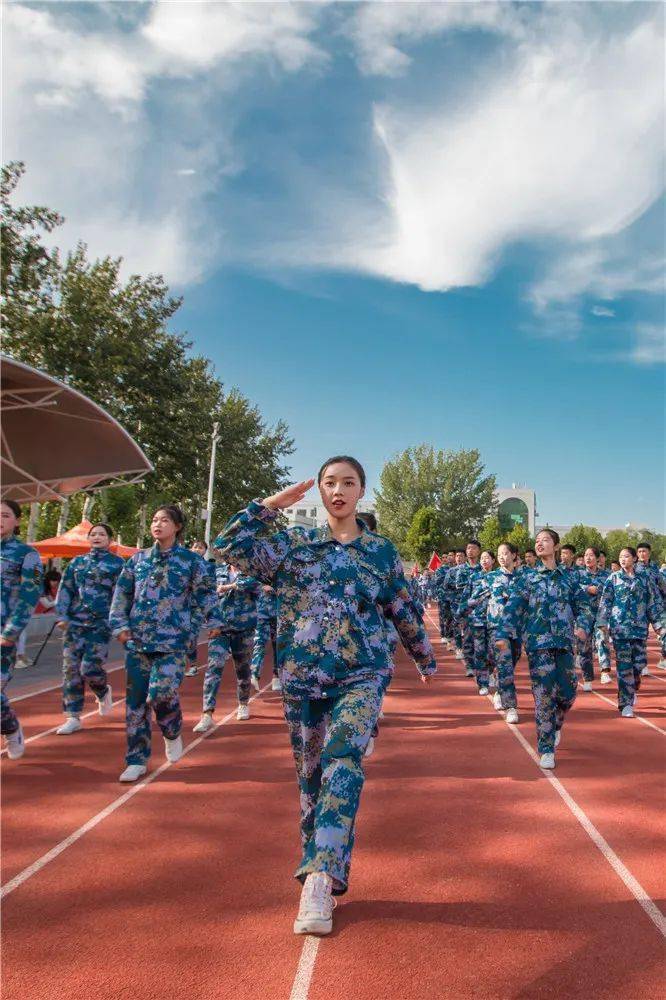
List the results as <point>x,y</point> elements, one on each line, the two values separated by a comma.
<point>211,483</point>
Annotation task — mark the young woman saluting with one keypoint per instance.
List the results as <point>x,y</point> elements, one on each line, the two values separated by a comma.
<point>333,585</point>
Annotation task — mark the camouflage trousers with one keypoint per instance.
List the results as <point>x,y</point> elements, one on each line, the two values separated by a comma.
<point>328,739</point>
<point>239,645</point>
<point>445,620</point>
<point>153,680</point>
<point>603,651</point>
<point>504,662</point>
<point>9,723</point>
<point>467,643</point>
<point>457,630</point>
<point>630,658</point>
<point>84,654</point>
<point>482,654</point>
<point>554,684</point>
<point>266,632</point>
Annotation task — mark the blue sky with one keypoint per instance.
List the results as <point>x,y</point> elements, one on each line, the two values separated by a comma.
<point>391,223</point>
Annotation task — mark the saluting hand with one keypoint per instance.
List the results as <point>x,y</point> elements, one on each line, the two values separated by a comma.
<point>290,496</point>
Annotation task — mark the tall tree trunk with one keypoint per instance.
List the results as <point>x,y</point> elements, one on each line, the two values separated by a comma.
<point>33,522</point>
<point>62,520</point>
<point>142,526</point>
<point>88,508</point>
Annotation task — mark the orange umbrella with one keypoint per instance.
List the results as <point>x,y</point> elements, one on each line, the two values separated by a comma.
<point>75,543</point>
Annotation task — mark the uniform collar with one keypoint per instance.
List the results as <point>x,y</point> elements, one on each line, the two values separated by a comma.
<point>323,536</point>
<point>157,553</point>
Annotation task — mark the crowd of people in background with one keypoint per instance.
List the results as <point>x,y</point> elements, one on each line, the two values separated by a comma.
<point>331,605</point>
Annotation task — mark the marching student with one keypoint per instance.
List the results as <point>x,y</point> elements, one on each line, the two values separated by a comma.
<point>500,585</point>
<point>530,559</point>
<point>161,595</point>
<point>443,606</point>
<point>335,585</point>
<point>451,592</point>
<point>201,549</point>
<point>266,632</point>
<point>568,558</point>
<point>20,585</point>
<point>473,609</point>
<point>548,606</point>
<point>465,578</point>
<point>629,603</point>
<point>645,564</point>
<point>82,608</point>
<point>592,579</point>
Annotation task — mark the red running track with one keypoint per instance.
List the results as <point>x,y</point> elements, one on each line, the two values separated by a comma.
<point>472,878</point>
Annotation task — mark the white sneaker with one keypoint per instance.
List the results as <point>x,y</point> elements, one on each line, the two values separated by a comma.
<point>469,672</point>
<point>443,641</point>
<point>71,725</point>
<point>21,663</point>
<point>459,654</point>
<point>191,671</point>
<point>606,677</point>
<point>587,685</point>
<point>511,716</point>
<point>577,661</point>
<point>662,663</point>
<point>381,714</point>
<point>315,914</point>
<point>15,744</point>
<point>627,712</point>
<point>275,684</point>
<point>370,749</point>
<point>558,737</point>
<point>492,682</point>
<point>105,704</point>
<point>547,761</point>
<point>483,691</point>
<point>173,749</point>
<point>133,772</point>
<point>645,672</point>
<point>497,701</point>
<point>254,681</point>
<point>243,713</point>
<point>204,724</point>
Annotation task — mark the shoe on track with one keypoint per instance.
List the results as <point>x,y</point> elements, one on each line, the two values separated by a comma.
<point>497,701</point>
<point>21,663</point>
<point>662,663</point>
<point>254,681</point>
<point>547,761</point>
<point>191,671</point>
<point>370,749</point>
<point>69,726</point>
<point>645,672</point>
<point>173,749</point>
<point>558,737</point>
<point>511,716</point>
<point>243,713</point>
<point>205,723</point>
<point>315,914</point>
<point>381,713</point>
<point>483,691</point>
<point>276,684</point>
<point>459,654</point>
<point>627,712</point>
<point>492,683</point>
<point>587,685</point>
<point>443,641</point>
<point>105,703</point>
<point>133,772</point>
<point>469,672</point>
<point>15,744</point>
<point>606,677</point>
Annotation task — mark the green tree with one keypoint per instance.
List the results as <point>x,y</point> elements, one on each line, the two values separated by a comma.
<point>616,540</point>
<point>424,536</point>
<point>581,536</point>
<point>491,535</point>
<point>520,537</point>
<point>453,483</point>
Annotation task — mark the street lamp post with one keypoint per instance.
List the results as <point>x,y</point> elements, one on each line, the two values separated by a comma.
<point>211,482</point>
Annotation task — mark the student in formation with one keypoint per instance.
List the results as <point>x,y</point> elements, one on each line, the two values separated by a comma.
<point>237,613</point>
<point>500,583</point>
<point>465,578</point>
<point>568,558</point>
<point>20,587</point>
<point>161,594</point>
<point>451,592</point>
<point>444,608</point>
<point>645,564</point>
<point>201,549</point>
<point>629,604</point>
<point>82,608</point>
<point>550,608</point>
<point>592,579</point>
<point>335,586</point>
<point>530,561</point>
<point>473,609</point>
<point>266,632</point>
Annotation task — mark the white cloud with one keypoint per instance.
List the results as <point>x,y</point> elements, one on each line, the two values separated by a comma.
<point>649,346</point>
<point>603,312</point>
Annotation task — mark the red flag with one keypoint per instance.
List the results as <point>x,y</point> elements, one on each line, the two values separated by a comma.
<point>435,561</point>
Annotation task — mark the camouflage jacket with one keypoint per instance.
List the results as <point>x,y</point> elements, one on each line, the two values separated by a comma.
<point>629,604</point>
<point>238,607</point>
<point>86,589</point>
<point>20,585</point>
<point>598,579</point>
<point>544,606</point>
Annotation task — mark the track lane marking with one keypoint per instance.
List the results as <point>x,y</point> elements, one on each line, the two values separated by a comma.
<point>305,969</point>
<point>618,866</point>
<point>56,851</point>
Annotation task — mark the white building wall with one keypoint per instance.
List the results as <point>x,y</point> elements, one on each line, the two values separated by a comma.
<point>528,497</point>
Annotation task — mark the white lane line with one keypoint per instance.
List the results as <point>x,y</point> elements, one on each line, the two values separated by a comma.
<point>306,964</point>
<point>47,732</point>
<point>634,886</point>
<point>56,851</point>
<point>646,722</point>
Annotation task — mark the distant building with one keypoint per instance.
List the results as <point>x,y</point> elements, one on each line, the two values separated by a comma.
<point>516,506</point>
<point>313,515</point>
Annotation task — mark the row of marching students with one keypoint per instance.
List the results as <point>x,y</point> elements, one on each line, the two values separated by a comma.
<point>557,610</point>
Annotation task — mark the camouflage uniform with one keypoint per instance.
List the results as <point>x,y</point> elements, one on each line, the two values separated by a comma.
<point>628,604</point>
<point>584,648</point>
<point>450,593</point>
<point>465,580</point>
<point>83,602</point>
<point>499,584</point>
<point>238,614</point>
<point>473,609</point>
<point>20,588</point>
<point>440,595</point>
<point>266,632</point>
<point>160,597</point>
<point>658,578</point>
<point>543,605</point>
<point>334,661</point>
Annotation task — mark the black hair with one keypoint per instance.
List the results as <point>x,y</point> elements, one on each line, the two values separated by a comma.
<point>629,548</point>
<point>511,547</point>
<point>102,524</point>
<point>602,552</point>
<point>641,545</point>
<point>176,515</point>
<point>553,534</point>
<point>594,549</point>
<point>569,548</point>
<point>14,507</point>
<point>461,551</point>
<point>489,552</point>
<point>474,541</point>
<point>532,551</point>
<point>51,576</point>
<point>354,462</point>
<point>368,518</point>
<point>451,552</point>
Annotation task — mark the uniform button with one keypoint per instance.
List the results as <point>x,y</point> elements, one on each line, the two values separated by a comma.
<point>331,583</point>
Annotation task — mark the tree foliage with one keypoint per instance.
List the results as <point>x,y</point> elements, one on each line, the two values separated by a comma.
<point>424,536</point>
<point>582,536</point>
<point>451,483</point>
